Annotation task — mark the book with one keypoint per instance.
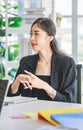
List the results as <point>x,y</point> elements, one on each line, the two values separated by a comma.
<point>45,115</point>
<point>71,120</point>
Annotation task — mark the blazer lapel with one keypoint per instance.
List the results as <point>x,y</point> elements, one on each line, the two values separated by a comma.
<point>31,64</point>
<point>54,67</point>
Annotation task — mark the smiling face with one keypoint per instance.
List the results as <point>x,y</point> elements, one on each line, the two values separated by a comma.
<point>39,39</point>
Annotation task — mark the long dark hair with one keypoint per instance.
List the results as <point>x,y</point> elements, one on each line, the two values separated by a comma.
<point>48,26</point>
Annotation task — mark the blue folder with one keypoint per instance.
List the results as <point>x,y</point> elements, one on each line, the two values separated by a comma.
<point>72,120</point>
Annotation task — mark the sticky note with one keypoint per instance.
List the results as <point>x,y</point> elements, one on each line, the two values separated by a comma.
<point>29,114</point>
<point>18,116</point>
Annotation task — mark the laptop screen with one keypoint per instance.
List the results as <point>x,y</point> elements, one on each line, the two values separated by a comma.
<point>3,88</point>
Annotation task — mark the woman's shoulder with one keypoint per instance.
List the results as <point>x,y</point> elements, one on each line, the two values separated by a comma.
<point>67,60</point>
<point>66,57</point>
<point>63,57</point>
<point>29,58</point>
<point>63,60</point>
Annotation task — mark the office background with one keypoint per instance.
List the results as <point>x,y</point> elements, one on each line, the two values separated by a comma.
<point>16,17</point>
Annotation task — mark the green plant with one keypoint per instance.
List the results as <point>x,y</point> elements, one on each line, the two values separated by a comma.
<point>2,57</point>
<point>2,49</point>
<point>2,68</point>
<point>12,72</point>
<point>13,51</point>
<point>13,19</point>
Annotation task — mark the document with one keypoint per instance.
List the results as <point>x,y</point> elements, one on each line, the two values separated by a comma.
<point>19,99</point>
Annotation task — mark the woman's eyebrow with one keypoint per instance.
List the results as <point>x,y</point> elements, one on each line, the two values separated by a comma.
<point>35,31</point>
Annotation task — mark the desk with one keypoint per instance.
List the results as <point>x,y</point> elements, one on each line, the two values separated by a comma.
<point>28,124</point>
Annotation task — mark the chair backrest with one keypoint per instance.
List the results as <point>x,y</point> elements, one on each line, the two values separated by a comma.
<point>78,83</point>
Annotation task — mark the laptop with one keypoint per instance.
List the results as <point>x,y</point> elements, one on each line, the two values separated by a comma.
<point>3,91</point>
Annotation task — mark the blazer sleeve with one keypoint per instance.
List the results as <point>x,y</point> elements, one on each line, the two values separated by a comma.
<point>19,71</point>
<point>67,89</point>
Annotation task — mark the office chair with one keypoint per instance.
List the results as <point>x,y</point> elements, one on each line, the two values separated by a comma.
<point>78,84</point>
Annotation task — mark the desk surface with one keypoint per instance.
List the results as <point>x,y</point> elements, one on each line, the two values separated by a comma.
<point>8,123</point>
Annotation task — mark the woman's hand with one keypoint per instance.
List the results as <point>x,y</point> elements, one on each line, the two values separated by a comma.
<point>24,79</point>
<point>35,82</point>
<point>21,78</point>
<point>32,81</point>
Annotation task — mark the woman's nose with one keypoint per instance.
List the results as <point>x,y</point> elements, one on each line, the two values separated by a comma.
<point>32,37</point>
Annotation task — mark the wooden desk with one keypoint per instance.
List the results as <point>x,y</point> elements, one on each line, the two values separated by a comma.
<point>28,124</point>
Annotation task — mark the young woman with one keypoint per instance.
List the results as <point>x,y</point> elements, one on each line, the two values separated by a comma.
<point>49,74</point>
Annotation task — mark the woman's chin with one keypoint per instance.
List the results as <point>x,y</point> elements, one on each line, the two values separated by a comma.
<point>35,49</point>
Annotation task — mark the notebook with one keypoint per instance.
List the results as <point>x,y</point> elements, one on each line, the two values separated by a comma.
<point>71,120</point>
<point>3,91</point>
<point>45,115</point>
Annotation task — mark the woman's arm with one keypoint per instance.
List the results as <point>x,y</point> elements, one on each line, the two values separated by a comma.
<point>14,88</point>
<point>67,88</point>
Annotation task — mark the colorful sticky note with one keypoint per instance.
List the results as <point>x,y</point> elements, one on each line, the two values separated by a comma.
<point>29,114</point>
<point>17,116</point>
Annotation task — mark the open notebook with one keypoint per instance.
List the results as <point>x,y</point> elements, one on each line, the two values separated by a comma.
<point>3,91</point>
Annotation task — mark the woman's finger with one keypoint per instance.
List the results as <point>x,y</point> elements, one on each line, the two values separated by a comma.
<point>27,84</point>
<point>29,73</point>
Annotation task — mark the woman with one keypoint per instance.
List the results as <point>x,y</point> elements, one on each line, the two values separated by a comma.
<point>49,74</point>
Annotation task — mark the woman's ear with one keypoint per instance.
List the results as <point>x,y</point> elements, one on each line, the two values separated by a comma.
<point>51,38</point>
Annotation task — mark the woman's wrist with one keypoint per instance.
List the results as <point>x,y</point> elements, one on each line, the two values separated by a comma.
<point>15,86</point>
<point>50,91</point>
<point>52,94</point>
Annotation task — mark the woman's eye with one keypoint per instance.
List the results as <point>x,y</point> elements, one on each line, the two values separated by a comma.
<point>36,33</point>
<point>30,33</point>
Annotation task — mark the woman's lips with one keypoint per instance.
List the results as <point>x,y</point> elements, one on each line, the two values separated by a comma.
<point>34,44</point>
